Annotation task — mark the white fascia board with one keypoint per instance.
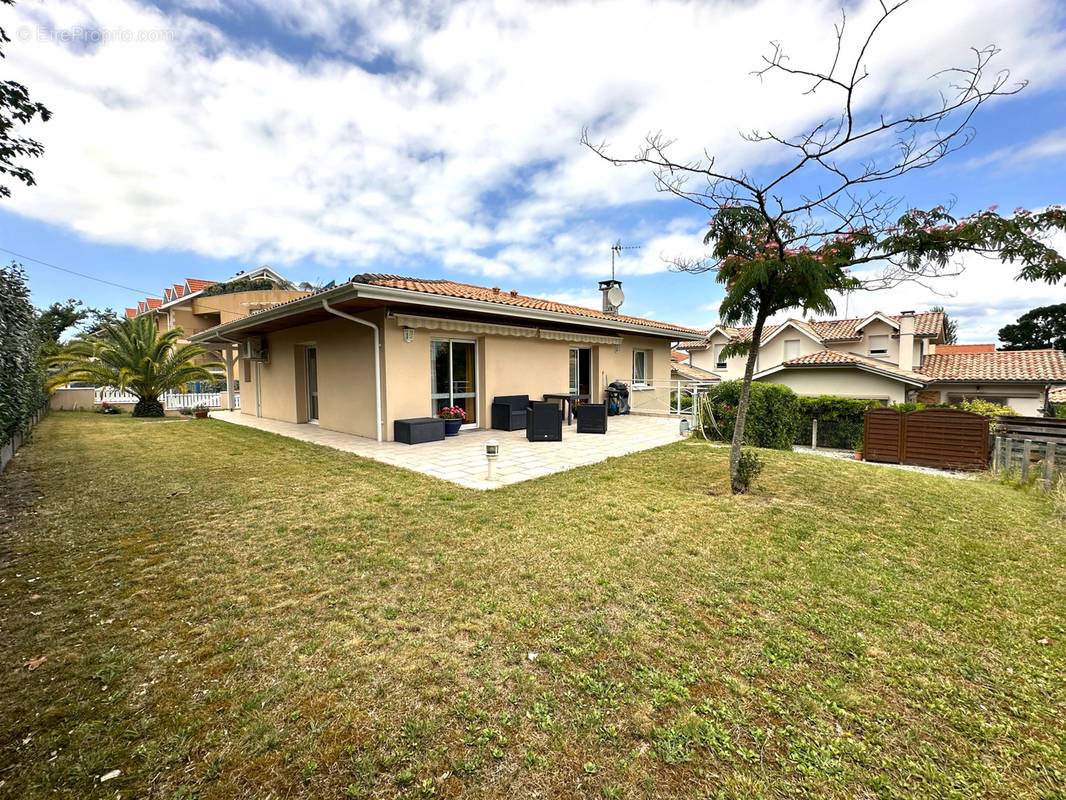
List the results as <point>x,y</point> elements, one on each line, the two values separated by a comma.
<point>880,316</point>
<point>793,326</point>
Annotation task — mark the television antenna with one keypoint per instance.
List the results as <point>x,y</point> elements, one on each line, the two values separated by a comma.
<point>616,249</point>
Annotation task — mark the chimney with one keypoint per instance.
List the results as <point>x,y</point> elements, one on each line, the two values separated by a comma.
<point>906,340</point>
<point>612,296</point>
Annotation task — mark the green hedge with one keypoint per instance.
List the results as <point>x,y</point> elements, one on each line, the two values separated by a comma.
<point>239,285</point>
<point>772,414</point>
<point>841,421</point>
<point>22,391</point>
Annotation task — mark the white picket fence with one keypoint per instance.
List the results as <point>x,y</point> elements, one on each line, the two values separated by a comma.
<point>172,401</point>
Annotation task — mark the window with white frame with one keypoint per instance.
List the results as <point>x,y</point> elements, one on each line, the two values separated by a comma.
<point>792,348</point>
<point>641,360</point>
<point>879,345</point>
<point>719,361</point>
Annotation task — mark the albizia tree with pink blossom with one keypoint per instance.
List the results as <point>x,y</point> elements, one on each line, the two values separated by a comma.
<point>795,239</point>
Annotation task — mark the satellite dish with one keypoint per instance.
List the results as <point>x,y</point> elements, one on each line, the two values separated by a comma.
<point>615,296</point>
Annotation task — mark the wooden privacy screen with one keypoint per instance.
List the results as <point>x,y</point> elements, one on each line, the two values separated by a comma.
<point>931,437</point>
<point>881,437</point>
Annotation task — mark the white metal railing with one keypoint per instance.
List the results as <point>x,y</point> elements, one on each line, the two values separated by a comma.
<point>664,396</point>
<point>175,401</point>
<point>172,401</point>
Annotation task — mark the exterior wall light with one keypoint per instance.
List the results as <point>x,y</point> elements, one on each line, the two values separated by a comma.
<point>492,453</point>
<point>408,334</point>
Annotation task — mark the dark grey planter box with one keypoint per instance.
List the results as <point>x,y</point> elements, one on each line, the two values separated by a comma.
<point>592,418</point>
<point>418,430</point>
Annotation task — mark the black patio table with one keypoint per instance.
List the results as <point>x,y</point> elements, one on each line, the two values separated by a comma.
<point>568,400</point>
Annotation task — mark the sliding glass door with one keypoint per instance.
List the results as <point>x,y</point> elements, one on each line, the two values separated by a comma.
<point>312,383</point>
<point>581,373</point>
<point>454,376</point>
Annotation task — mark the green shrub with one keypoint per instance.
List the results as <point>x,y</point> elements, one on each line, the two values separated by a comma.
<point>239,285</point>
<point>841,421</point>
<point>748,469</point>
<point>985,408</point>
<point>1060,410</point>
<point>772,414</point>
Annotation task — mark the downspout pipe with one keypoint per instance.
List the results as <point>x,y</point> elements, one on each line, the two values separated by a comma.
<point>377,357</point>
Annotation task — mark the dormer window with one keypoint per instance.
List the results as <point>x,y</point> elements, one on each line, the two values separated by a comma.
<point>879,345</point>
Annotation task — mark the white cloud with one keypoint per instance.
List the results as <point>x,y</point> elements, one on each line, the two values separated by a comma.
<point>1050,145</point>
<point>468,154</point>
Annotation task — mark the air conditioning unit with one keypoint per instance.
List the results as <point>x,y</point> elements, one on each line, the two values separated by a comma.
<point>254,348</point>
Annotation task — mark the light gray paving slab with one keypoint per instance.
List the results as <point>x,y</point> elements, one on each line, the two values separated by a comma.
<point>461,459</point>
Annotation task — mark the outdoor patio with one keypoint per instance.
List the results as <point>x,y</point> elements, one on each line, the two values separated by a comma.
<point>462,459</point>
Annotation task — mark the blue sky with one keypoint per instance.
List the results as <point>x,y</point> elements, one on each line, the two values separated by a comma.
<point>196,139</point>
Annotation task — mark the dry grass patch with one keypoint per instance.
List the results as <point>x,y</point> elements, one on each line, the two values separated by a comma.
<point>226,613</point>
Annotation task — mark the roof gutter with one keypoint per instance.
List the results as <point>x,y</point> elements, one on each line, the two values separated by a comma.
<point>377,357</point>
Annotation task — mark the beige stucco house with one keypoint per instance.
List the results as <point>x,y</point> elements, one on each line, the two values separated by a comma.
<point>890,358</point>
<point>380,348</point>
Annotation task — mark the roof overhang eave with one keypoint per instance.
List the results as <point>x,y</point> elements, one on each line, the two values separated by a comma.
<point>863,367</point>
<point>350,291</point>
<point>1040,381</point>
<point>411,297</point>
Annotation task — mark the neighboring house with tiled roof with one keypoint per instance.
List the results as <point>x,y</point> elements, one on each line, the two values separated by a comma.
<point>1021,379</point>
<point>891,343</point>
<point>891,358</point>
<point>186,305</point>
<point>437,343</point>
<point>682,369</point>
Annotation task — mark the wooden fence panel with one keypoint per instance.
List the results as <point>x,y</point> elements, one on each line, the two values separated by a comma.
<point>931,437</point>
<point>1040,429</point>
<point>945,437</point>
<point>882,435</point>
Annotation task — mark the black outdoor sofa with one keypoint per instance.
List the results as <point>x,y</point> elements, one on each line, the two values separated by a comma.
<point>509,412</point>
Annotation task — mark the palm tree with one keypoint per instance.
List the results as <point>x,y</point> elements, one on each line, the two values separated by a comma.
<point>130,354</point>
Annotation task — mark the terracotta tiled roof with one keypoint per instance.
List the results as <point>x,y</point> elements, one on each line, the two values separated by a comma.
<point>179,289</point>
<point>1001,365</point>
<point>836,330</point>
<point>168,294</point>
<point>141,306</point>
<point>153,302</point>
<point>694,344</point>
<point>944,349</point>
<point>693,373</point>
<point>744,334</point>
<point>830,358</point>
<point>131,312</point>
<point>195,284</point>
<point>1057,395</point>
<point>446,288</point>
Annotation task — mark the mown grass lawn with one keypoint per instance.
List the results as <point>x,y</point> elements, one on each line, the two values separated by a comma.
<point>229,614</point>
